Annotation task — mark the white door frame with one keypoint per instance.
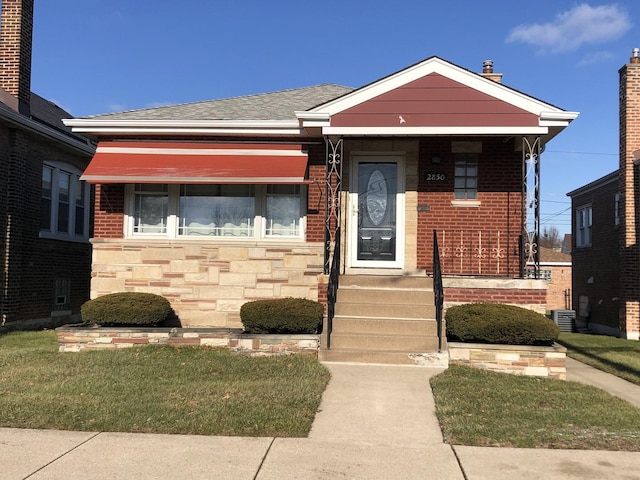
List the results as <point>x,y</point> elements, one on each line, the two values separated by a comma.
<point>352,209</point>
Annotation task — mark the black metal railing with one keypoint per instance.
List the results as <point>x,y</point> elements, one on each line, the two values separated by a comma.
<point>495,253</point>
<point>332,287</point>
<point>437,288</point>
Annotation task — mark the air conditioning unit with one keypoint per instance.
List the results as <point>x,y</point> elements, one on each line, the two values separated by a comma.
<point>565,319</point>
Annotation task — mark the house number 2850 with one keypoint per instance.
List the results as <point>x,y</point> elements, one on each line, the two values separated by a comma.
<point>435,177</point>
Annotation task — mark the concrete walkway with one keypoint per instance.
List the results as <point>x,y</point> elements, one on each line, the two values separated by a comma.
<point>375,422</point>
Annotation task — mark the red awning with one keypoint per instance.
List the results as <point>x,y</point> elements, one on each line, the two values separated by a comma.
<point>159,162</point>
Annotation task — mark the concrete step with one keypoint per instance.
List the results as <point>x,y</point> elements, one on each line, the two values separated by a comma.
<point>386,281</point>
<point>385,296</point>
<point>391,343</point>
<point>384,310</point>
<point>360,356</point>
<point>379,326</point>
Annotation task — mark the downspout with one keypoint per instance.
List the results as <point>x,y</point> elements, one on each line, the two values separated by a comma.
<point>5,266</point>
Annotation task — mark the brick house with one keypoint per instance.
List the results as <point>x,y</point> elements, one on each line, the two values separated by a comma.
<point>606,259</point>
<point>215,203</point>
<point>45,255</point>
<point>555,269</point>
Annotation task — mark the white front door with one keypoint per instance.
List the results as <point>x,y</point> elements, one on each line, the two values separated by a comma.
<point>376,219</point>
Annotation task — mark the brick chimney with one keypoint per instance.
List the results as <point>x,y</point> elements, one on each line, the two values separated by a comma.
<point>16,33</point>
<point>629,157</point>
<point>487,72</point>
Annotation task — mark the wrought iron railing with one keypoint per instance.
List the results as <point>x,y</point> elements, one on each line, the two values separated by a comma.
<point>437,288</point>
<point>480,252</point>
<point>332,287</point>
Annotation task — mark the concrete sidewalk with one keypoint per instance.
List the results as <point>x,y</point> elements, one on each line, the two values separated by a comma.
<point>375,422</point>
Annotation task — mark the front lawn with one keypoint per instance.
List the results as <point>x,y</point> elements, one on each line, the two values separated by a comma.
<point>187,390</point>
<point>483,408</point>
<point>617,356</point>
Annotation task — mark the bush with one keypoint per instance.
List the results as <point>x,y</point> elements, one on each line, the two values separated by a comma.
<point>126,308</point>
<point>497,323</point>
<point>282,315</point>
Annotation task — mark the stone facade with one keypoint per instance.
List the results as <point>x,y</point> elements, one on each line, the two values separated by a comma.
<point>78,339</point>
<point>207,283</point>
<point>533,361</point>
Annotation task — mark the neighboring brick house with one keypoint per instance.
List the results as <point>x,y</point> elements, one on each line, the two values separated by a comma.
<point>215,203</point>
<point>45,255</point>
<point>555,269</point>
<point>606,258</point>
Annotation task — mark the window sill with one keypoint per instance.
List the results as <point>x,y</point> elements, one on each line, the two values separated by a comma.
<point>466,203</point>
<point>64,238</point>
<point>215,238</point>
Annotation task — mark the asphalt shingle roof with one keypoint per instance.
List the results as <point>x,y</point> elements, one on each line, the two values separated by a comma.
<point>550,255</point>
<point>279,105</point>
<point>47,113</point>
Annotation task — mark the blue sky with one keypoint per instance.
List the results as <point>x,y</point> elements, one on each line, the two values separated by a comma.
<point>98,56</point>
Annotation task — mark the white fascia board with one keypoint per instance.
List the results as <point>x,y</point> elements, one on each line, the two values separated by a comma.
<point>557,119</point>
<point>453,72</point>
<point>96,126</point>
<point>80,122</point>
<point>187,131</point>
<point>559,116</point>
<point>435,131</point>
<point>313,119</point>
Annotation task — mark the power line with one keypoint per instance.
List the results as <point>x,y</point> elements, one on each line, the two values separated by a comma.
<point>583,153</point>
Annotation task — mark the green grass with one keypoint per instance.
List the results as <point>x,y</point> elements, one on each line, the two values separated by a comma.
<point>482,408</point>
<point>186,390</point>
<point>617,356</point>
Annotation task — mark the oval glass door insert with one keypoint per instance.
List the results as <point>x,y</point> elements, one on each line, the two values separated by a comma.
<point>376,197</point>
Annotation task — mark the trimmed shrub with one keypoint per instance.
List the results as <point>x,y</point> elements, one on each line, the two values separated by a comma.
<point>282,315</point>
<point>126,308</point>
<point>499,324</point>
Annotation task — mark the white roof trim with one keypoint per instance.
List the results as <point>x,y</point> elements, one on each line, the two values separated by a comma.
<point>201,151</point>
<point>435,130</point>
<point>96,125</point>
<point>449,70</point>
<point>104,122</point>
<point>562,115</point>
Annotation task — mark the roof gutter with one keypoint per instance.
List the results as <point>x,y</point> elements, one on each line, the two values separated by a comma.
<point>26,123</point>
<point>111,126</point>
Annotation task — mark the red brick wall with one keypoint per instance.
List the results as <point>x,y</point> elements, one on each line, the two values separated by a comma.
<point>495,295</point>
<point>629,148</point>
<point>16,32</point>
<point>559,286</point>
<point>499,192</point>
<point>317,195</point>
<point>109,211</point>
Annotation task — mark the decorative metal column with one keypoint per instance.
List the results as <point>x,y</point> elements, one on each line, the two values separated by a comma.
<point>531,149</point>
<point>332,200</point>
